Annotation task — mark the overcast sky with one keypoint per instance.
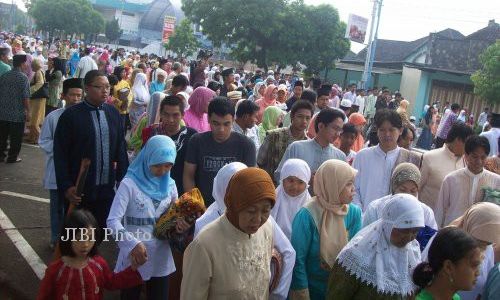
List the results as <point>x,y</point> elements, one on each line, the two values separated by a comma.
<point>409,20</point>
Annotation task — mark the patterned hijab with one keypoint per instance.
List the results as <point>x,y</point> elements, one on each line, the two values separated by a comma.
<point>404,172</point>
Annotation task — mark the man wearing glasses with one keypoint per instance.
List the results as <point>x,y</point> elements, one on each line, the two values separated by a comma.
<point>328,125</point>
<point>91,129</point>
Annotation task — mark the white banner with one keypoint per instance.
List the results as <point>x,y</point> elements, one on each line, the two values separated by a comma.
<point>356,28</point>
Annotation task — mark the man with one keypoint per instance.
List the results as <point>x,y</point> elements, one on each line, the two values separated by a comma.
<point>86,64</point>
<point>394,104</point>
<point>438,163</point>
<point>493,134</point>
<point>351,93</point>
<point>228,80</point>
<point>176,70</point>
<point>246,118</point>
<point>322,102</point>
<point>328,125</point>
<point>483,117</point>
<point>298,88</point>
<point>347,139</point>
<point>179,84</point>
<point>209,151</point>
<point>359,104</point>
<point>72,94</point>
<point>4,61</point>
<point>91,129</point>
<point>370,104</point>
<point>375,164</point>
<point>277,140</point>
<point>464,187</point>
<point>171,114</point>
<point>446,123</point>
<point>382,100</point>
<point>346,106</point>
<point>14,108</point>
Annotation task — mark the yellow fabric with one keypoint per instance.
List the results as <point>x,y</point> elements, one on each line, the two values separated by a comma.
<point>37,110</point>
<point>121,85</point>
<point>482,221</point>
<point>329,181</point>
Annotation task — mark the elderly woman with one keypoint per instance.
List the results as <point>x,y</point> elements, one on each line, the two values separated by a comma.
<point>482,221</point>
<point>37,101</point>
<point>258,91</point>
<point>230,258</point>
<point>377,263</point>
<point>268,99</point>
<point>322,227</point>
<point>158,85</point>
<point>405,179</point>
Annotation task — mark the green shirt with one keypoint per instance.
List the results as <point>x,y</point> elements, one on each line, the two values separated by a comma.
<point>425,295</point>
<point>4,68</point>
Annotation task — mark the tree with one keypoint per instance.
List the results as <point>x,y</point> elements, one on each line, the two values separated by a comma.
<point>487,79</point>
<point>112,30</point>
<point>183,42</point>
<point>66,16</point>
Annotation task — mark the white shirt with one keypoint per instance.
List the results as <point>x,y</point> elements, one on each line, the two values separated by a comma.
<point>492,135</point>
<point>280,241</point>
<point>252,133</point>
<point>85,65</point>
<point>483,117</point>
<point>360,101</point>
<point>46,142</point>
<point>130,208</point>
<point>374,174</point>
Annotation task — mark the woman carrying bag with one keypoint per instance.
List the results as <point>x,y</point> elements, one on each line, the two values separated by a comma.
<point>38,98</point>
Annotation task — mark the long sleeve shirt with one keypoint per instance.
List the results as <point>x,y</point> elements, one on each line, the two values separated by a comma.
<point>461,189</point>
<point>374,174</point>
<point>46,142</point>
<point>131,219</point>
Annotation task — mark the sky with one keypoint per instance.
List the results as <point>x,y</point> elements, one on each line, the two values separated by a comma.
<point>410,20</point>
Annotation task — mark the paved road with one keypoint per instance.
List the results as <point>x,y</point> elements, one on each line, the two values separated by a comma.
<point>29,215</point>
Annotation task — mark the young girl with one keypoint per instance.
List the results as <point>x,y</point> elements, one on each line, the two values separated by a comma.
<point>144,194</point>
<point>80,273</point>
<point>291,194</point>
<point>454,261</point>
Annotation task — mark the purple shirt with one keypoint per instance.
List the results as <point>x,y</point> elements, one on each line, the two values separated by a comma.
<point>445,125</point>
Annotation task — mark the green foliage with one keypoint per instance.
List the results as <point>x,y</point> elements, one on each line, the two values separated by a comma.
<point>68,16</point>
<point>487,79</point>
<point>112,30</point>
<point>272,32</point>
<point>20,29</point>
<point>183,42</point>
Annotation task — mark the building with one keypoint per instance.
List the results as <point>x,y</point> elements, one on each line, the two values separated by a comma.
<point>433,68</point>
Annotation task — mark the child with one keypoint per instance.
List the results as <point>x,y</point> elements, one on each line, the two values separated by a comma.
<point>291,194</point>
<point>143,196</point>
<point>80,273</point>
<point>347,139</point>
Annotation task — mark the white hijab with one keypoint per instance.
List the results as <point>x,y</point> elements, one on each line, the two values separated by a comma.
<point>286,206</point>
<point>221,182</point>
<point>140,90</point>
<point>372,258</point>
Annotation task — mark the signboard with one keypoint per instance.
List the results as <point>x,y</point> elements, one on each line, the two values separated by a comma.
<point>168,28</point>
<point>356,28</point>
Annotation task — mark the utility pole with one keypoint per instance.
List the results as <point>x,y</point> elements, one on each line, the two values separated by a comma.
<point>372,43</point>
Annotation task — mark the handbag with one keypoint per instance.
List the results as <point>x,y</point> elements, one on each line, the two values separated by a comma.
<point>42,92</point>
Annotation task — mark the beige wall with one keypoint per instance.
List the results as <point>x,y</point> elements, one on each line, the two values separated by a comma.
<point>410,80</point>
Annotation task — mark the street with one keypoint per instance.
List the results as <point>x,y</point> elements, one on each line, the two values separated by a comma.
<point>25,228</point>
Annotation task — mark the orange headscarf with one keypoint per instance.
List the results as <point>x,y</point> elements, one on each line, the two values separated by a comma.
<point>358,119</point>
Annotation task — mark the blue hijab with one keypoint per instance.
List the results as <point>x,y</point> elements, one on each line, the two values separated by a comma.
<point>159,149</point>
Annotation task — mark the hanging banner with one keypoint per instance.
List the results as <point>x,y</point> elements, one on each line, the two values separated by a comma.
<point>356,28</point>
<point>168,28</point>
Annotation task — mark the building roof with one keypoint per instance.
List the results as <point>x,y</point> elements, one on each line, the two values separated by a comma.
<point>156,11</point>
<point>120,4</point>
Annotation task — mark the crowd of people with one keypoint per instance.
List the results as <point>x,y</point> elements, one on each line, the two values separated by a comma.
<point>312,191</point>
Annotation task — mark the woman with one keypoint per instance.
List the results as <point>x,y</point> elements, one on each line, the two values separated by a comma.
<point>292,193</point>
<point>37,104</point>
<point>322,228</point>
<point>143,196</point>
<point>268,99</point>
<point>230,258</point>
<point>271,120</point>
<point>158,85</point>
<point>258,91</point>
<point>150,117</point>
<point>359,121</point>
<point>425,139</point>
<point>280,241</point>
<point>54,76</point>
<point>73,63</point>
<point>405,179</point>
<point>454,260</point>
<point>377,262</point>
<point>140,98</point>
<point>482,222</point>
<point>403,112</point>
<point>196,116</point>
<point>122,94</point>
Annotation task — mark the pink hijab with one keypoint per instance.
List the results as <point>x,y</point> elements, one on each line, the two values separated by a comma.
<point>195,117</point>
<point>266,100</point>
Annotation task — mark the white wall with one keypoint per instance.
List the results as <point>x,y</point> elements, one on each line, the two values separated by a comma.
<point>410,80</point>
